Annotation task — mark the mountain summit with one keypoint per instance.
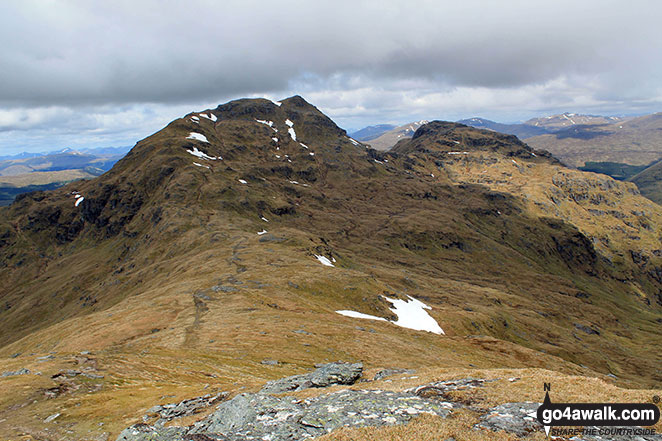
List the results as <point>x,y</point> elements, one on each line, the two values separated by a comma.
<point>259,230</point>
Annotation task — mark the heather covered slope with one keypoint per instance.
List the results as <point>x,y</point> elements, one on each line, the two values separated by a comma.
<point>196,258</point>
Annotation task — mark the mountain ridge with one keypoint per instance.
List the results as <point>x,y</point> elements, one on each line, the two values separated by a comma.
<point>199,253</point>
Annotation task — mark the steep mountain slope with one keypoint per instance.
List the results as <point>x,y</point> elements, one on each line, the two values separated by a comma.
<point>649,182</point>
<point>388,139</point>
<point>634,141</point>
<point>235,234</point>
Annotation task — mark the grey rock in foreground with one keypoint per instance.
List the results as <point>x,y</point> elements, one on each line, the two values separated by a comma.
<point>259,416</point>
<point>278,418</point>
<point>512,417</point>
<point>325,375</point>
<point>518,418</point>
<point>168,412</point>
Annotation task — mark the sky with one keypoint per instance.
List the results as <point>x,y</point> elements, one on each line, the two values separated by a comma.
<point>89,74</point>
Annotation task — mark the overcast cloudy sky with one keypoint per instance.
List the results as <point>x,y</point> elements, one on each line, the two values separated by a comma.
<point>86,74</point>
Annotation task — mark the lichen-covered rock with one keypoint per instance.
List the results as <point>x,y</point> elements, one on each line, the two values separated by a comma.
<point>325,375</point>
<point>262,416</point>
<point>517,418</point>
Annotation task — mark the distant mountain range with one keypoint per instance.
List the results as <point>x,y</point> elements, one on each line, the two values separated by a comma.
<point>618,146</point>
<point>45,171</point>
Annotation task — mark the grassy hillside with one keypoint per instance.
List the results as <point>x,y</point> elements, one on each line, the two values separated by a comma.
<point>195,259</point>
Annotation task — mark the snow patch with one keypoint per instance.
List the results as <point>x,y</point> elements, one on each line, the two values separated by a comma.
<point>260,233</point>
<point>78,201</point>
<point>303,145</point>
<point>197,137</point>
<point>264,219</point>
<point>210,117</point>
<point>278,103</point>
<point>200,165</point>
<point>242,181</point>
<point>458,153</point>
<point>262,121</point>
<point>291,129</point>
<point>274,139</point>
<point>311,154</point>
<point>412,314</point>
<point>324,261</point>
<point>195,119</point>
<point>360,315</point>
<point>353,141</point>
<point>202,155</point>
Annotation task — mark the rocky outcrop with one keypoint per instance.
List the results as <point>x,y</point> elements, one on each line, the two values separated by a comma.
<point>325,375</point>
<point>264,416</point>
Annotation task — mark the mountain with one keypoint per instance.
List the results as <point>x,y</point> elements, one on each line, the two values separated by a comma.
<point>634,141</point>
<point>554,123</point>
<point>46,171</point>
<point>388,139</point>
<point>371,132</point>
<point>520,130</point>
<point>255,240</point>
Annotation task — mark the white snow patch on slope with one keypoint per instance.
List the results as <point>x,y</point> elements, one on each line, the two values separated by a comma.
<point>242,181</point>
<point>260,233</point>
<point>264,219</point>
<point>412,314</point>
<point>291,129</point>
<point>211,116</point>
<point>303,145</point>
<point>78,201</point>
<point>324,261</point>
<point>274,139</point>
<point>355,314</point>
<point>195,119</point>
<point>262,121</point>
<point>458,153</point>
<point>202,155</point>
<point>197,137</point>
<point>278,103</point>
<point>200,165</point>
<point>353,141</point>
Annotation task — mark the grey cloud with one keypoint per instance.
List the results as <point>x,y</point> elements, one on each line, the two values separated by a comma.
<point>362,62</point>
<point>82,52</point>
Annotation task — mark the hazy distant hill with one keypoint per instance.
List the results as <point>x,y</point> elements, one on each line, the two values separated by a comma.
<point>388,139</point>
<point>45,171</point>
<point>520,130</point>
<point>633,141</point>
<point>371,132</point>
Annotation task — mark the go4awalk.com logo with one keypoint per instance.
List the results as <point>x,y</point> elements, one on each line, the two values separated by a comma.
<point>572,419</point>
